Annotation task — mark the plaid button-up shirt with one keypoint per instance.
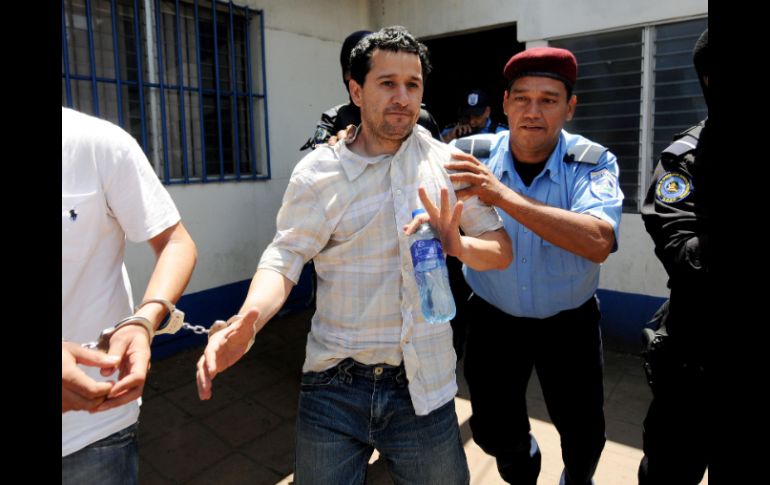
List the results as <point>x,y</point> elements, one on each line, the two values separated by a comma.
<point>346,212</point>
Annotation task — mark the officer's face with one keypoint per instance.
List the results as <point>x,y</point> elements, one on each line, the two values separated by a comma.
<point>537,108</point>
<point>391,95</point>
<point>479,121</point>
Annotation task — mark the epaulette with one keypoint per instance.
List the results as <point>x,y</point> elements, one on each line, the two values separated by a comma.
<point>478,147</point>
<point>686,142</point>
<point>585,153</point>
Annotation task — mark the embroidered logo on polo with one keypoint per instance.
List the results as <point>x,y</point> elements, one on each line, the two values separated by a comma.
<point>672,187</point>
<point>603,184</point>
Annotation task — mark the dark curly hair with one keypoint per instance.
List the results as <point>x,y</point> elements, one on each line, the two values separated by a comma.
<point>395,39</point>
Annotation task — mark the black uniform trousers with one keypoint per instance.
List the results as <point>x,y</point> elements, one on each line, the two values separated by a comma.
<point>566,352</point>
<point>677,429</point>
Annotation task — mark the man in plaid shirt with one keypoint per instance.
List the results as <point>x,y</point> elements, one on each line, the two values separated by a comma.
<point>376,374</point>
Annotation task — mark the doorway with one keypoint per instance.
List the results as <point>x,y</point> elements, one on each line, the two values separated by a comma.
<point>467,61</point>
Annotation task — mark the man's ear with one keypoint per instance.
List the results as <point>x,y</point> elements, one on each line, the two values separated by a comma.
<point>356,92</point>
<point>571,107</point>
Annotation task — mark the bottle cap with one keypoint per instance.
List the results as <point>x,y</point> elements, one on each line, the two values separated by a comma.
<point>417,211</point>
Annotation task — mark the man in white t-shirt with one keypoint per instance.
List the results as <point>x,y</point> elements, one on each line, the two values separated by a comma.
<point>110,193</point>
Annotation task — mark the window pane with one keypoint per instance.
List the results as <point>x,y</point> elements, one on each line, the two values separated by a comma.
<point>609,99</point>
<point>678,101</point>
<point>184,129</point>
<point>77,37</point>
<point>104,54</point>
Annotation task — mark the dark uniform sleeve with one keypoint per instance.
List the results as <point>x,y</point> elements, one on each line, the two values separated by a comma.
<point>669,215</point>
<point>426,120</point>
<point>324,129</point>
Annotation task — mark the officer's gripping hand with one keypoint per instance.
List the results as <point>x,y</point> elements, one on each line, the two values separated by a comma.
<point>482,181</point>
<point>346,134</point>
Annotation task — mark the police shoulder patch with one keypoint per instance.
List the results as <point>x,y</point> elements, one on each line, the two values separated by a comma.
<point>604,184</point>
<point>673,187</point>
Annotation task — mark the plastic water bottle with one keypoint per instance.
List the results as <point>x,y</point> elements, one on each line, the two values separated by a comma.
<point>431,273</point>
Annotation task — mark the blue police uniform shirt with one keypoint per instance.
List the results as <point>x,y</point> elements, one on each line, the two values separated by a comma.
<point>544,279</point>
<point>486,129</point>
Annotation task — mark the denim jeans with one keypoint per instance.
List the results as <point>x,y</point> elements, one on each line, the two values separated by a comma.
<point>349,410</point>
<point>113,460</point>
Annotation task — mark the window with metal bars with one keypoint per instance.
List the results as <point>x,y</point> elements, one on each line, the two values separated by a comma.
<point>187,79</point>
<point>636,88</point>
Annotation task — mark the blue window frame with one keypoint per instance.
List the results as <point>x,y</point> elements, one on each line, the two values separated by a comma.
<point>185,78</point>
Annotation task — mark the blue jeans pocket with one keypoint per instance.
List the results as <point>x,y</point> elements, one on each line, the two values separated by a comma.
<point>314,380</point>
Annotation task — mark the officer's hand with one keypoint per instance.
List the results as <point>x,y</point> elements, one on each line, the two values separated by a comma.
<point>79,392</point>
<point>446,222</point>
<point>481,180</point>
<point>347,134</point>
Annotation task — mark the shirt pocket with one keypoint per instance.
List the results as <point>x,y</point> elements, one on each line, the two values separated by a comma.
<point>560,262</point>
<point>79,218</point>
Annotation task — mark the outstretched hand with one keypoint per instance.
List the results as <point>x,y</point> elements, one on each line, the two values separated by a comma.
<point>225,348</point>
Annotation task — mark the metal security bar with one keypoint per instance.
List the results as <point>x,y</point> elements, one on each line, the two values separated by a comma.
<point>178,75</point>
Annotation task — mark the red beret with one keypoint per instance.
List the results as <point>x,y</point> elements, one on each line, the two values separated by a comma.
<point>543,61</point>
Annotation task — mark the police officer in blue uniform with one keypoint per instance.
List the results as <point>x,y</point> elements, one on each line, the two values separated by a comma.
<point>474,117</point>
<point>676,214</point>
<point>560,201</point>
<point>339,117</point>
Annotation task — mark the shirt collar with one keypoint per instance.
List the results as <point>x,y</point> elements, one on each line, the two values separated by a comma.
<point>552,165</point>
<point>352,163</point>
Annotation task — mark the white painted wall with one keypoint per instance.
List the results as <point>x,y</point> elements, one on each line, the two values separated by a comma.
<point>536,19</point>
<point>633,268</point>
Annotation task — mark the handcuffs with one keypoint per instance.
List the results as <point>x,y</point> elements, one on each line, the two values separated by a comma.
<point>175,322</point>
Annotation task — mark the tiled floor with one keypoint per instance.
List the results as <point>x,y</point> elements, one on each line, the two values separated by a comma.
<point>245,433</point>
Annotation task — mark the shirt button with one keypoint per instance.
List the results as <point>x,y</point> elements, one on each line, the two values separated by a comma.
<point>523,260</point>
<point>523,288</point>
<point>525,231</point>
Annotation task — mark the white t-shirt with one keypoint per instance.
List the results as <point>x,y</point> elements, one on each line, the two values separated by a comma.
<point>108,192</point>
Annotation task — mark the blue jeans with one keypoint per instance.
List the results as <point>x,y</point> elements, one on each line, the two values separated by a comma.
<point>113,460</point>
<point>349,410</point>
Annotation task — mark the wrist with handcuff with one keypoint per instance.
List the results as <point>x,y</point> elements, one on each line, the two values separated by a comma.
<point>221,324</point>
<point>175,321</point>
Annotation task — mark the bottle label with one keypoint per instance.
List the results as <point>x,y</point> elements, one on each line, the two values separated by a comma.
<point>425,249</point>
